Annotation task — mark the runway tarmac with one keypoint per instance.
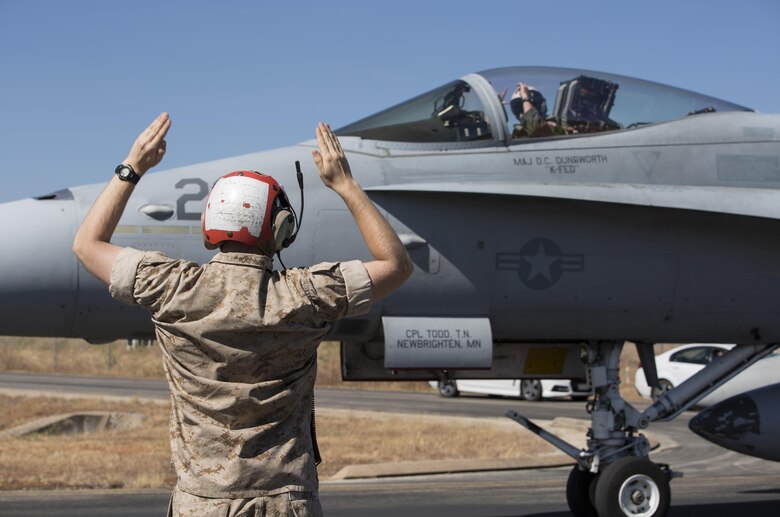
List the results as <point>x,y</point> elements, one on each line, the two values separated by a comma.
<point>493,494</point>
<point>716,482</point>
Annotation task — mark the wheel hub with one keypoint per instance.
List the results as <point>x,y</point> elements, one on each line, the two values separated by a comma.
<point>639,496</point>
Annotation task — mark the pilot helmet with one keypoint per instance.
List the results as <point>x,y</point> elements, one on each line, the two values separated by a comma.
<point>535,97</point>
<point>248,207</point>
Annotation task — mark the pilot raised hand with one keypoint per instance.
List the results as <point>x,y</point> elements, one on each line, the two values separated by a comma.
<point>239,340</point>
<point>530,107</point>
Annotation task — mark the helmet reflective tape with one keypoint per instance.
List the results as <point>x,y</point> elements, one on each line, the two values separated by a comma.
<point>237,202</point>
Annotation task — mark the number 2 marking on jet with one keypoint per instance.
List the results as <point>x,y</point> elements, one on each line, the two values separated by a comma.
<point>200,195</point>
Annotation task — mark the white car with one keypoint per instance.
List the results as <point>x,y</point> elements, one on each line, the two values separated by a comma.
<point>528,389</point>
<point>676,365</point>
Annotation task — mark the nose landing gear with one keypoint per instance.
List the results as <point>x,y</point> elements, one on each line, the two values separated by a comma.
<point>614,476</point>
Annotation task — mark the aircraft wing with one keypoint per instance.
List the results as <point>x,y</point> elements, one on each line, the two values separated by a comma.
<point>755,202</point>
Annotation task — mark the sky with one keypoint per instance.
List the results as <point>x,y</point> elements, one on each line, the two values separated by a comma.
<point>80,79</point>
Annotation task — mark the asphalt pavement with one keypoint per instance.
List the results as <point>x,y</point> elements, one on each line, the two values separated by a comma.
<point>716,481</point>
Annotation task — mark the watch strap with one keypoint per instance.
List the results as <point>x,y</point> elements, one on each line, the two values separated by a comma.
<point>130,175</point>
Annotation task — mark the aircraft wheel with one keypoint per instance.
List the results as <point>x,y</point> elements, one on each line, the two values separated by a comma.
<point>578,489</point>
<point>663,385</point>
<point>448,389</point>
<point>531,389</point>
<point>632,486</point>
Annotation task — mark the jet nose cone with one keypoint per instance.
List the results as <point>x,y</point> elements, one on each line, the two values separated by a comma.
<point>38,272</point>
<point>747,423</point>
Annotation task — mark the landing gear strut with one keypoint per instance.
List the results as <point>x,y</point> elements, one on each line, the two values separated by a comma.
<point>614,475</point>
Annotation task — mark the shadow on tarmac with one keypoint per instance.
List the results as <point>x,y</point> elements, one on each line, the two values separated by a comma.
<point>765,508</point>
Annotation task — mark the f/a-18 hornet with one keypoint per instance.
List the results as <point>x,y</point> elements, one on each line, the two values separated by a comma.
<point>547,226</point>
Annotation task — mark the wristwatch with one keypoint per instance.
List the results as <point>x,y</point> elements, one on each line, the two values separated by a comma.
<point>126,173</point>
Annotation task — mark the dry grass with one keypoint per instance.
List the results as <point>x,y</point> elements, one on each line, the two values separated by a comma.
<point>77,357</point>
<point>140,458</point>
<point>355,437</point>
<point>137,458</point>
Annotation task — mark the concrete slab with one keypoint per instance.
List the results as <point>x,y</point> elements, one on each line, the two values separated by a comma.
<point>75,423</point>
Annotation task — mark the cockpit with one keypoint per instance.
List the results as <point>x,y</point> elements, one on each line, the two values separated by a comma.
<point>487,108</point>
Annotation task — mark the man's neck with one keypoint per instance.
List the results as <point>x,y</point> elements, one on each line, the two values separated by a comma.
<point>240,247</point>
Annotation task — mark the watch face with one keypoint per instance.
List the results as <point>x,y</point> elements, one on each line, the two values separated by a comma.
<point>126,173</point>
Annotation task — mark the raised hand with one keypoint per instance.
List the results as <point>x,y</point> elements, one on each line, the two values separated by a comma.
<point>149,148</point>
<point>330,159</point>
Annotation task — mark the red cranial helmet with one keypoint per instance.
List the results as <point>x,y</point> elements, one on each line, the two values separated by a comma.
<point>247,207</point>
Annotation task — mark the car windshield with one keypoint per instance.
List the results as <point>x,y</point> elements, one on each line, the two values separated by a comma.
<point>562,101</point>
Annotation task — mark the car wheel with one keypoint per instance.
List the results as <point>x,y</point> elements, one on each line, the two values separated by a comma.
<point>663,385</point>
<point>448,389</point>
<point>531,389</point>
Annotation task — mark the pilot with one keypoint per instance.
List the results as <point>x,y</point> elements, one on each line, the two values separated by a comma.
<point>530,107</point>
<point>239,340</point>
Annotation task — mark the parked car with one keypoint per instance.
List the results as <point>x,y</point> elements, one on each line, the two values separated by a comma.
<point>676,365</point>
<point>528,389</point>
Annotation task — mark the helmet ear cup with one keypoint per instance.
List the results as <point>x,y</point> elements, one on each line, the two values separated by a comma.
<point>284,225</point>
<point>208,245</point>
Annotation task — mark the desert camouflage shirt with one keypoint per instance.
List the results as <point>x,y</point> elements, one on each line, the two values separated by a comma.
<point>239,345</point>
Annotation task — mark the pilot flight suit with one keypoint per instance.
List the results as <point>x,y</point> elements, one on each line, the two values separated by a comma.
<point>239,344</point>
<point>532,124</point>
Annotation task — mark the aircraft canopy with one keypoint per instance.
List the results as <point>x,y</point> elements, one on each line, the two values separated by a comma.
<point>570,102</point>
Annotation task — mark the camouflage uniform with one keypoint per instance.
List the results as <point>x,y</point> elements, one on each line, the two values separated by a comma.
<point>239,345</point>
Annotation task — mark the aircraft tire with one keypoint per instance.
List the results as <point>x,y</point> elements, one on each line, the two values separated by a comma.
<point>531,389</point>
<point>632,486</point>
<point>448,389</point>
<point>578,489</point>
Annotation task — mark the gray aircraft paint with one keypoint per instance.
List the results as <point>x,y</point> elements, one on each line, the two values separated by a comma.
<point>662,231</point>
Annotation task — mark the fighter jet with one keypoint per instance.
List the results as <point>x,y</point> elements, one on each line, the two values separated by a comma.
<point>547,226</point>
